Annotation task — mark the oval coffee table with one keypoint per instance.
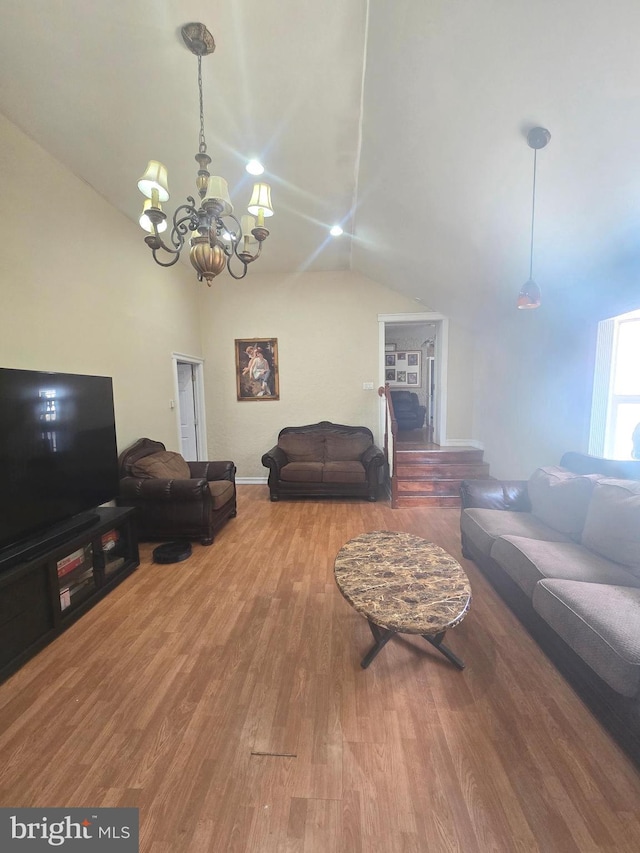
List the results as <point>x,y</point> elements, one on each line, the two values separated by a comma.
<point>403,584</point>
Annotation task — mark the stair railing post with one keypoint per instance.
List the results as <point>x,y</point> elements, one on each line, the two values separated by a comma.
<point>390,441</point>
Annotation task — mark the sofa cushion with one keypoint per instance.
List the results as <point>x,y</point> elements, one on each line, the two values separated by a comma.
<point>529,560</point>
<point>164,465</point>
<point>483,526</point>
<point>612,526</point>
<point>302,472</point>
<point>601,623</point>
<point>303,447</point>
<point>221,491</point>
<point>346,448</point>
<point>343,472</point>
<point>560,498</point>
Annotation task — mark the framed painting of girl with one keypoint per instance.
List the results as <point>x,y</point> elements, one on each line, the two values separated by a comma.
<point>257,369</point>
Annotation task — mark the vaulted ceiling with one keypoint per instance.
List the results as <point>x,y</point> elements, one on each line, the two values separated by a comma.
<point>405,120</point>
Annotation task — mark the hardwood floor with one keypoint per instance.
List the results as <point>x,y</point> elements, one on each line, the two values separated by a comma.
<point>223,697</point>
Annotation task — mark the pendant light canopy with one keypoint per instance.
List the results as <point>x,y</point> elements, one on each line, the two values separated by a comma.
<point>529,296</point>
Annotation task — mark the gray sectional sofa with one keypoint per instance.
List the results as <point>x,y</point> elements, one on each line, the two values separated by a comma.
<point>563,550</point>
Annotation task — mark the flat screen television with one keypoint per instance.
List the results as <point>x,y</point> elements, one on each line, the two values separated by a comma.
<point>58,456</point>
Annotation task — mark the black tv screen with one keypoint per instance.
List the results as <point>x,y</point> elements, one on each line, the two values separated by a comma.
<point>58,454</point>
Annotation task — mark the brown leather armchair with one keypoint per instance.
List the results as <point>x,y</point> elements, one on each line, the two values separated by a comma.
<point>175,498</point>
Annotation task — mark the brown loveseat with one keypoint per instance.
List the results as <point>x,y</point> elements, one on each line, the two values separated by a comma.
<point>175,498</point>
<point>324,459</point>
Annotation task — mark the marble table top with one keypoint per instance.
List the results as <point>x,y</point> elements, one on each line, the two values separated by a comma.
<point>402,582</point>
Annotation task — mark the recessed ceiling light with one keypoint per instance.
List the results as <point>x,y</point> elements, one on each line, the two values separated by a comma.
<point>254,167</point>
<point>336,231</point>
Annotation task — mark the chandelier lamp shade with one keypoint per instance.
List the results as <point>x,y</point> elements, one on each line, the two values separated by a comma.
<point>215,236</point>
<point>529,296</point>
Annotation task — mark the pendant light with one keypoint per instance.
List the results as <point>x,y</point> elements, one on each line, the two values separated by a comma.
<point>529,296</point>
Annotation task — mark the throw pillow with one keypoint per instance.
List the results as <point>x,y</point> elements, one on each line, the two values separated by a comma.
<point>612,526</point>
<point>164,465</point>
<point>560,498</point>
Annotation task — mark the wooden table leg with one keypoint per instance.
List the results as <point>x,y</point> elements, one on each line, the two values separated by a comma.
<point>437,643</point>
<point>381,637</point>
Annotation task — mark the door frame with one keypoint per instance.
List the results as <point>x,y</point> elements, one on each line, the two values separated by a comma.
<point>198,394</point>
<point>441,355</point>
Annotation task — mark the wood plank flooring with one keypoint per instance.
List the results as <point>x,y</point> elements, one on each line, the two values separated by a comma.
<point>174,693</point>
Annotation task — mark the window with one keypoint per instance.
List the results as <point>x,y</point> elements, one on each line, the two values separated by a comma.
<point>616,388</point>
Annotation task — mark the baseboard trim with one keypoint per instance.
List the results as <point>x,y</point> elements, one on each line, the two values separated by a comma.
<point>251,481</point>
<point>463,442</point>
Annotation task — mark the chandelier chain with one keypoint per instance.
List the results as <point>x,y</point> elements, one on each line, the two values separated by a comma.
<point>203,142</point>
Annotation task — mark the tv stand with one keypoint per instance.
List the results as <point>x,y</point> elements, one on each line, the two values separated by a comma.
<point>56,579</point>
<point>35,546</point>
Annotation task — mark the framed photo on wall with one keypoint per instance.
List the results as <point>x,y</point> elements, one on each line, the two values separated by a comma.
<point>408,369</point>
<point>257,369</point>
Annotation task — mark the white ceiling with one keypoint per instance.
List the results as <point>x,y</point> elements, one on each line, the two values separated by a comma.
<point>432,148</point>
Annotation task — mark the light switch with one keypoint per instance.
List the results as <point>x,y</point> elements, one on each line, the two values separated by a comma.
<point>367,386</point>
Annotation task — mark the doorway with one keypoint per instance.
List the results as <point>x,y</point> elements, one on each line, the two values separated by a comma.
<point>427,333</point>
<point>189,385</point>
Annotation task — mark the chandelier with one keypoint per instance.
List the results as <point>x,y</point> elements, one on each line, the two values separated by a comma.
<point>215,235</point>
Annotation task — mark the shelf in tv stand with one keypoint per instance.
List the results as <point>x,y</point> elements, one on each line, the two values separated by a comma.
<point>33,607</point>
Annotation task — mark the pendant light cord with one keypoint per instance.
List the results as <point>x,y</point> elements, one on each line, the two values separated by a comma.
<point>533,212</point>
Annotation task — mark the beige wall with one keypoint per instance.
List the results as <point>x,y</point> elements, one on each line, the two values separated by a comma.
<point>327,329</point>
<point>532,390</point>
<point>460,371</point>
<point>81,293</point>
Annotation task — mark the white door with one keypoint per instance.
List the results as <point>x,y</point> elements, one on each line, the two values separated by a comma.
<point>187,406</point>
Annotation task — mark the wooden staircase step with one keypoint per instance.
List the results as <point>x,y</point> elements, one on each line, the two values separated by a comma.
<point>407,501</point>
<point>438,472</point>
<point>428,475</point>
<point>424,456</point>
<point>451,488</point>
